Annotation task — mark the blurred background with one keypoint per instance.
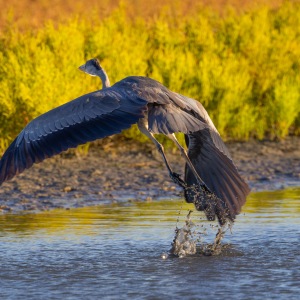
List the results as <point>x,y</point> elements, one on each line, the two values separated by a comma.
<point>239,58</point>
<point>34,13</point>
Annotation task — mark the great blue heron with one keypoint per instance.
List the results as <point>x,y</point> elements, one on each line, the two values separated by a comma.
<point>211,180</point>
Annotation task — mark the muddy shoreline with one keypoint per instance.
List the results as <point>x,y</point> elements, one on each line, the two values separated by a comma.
<point>134,172</point>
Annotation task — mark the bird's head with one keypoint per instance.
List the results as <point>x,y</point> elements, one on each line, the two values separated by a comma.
<point>91,67</point>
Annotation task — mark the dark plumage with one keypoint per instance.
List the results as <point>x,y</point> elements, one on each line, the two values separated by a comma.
<point>87,118</point>
<point>220,175</point>
<point>211,179</point>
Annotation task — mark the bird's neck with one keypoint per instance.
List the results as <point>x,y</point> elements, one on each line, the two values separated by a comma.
<point>104,78</point>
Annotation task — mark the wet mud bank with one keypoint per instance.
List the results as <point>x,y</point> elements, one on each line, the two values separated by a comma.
<point>130,172</point>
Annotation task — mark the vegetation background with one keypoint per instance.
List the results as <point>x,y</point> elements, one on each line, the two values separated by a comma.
<point>239,58</point>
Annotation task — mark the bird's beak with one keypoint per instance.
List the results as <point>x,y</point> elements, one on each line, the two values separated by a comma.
<point>82,68</point>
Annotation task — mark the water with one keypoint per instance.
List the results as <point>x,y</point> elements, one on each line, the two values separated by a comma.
<point>114,252</point>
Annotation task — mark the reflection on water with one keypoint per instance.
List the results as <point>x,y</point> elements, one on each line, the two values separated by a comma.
<point>114,252</point>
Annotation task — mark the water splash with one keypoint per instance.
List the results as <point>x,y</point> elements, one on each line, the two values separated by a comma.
<point>183,243</point>
<point>188,241</point>
<point>215,248</point>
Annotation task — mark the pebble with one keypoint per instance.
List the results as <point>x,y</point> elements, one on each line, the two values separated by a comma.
<point>67,189</point>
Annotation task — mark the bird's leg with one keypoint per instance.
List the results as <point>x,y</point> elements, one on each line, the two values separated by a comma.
<point>174,176</point>
<point>188,161</point>
<point>219,236</point>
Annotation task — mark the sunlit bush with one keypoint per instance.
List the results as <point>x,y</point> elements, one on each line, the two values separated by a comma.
<point>244,68</point>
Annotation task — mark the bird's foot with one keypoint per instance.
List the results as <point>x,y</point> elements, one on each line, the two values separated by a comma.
<point>176,179</point>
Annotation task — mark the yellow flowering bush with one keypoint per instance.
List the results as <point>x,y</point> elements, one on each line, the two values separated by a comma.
<point>244,68</point>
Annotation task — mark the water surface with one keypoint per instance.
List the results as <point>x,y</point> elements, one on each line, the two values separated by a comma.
<point>114,252</point>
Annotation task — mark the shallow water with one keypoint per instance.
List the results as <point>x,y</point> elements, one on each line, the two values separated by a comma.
<point>114,252</point>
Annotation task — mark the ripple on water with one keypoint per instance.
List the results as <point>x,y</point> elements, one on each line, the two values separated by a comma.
<point>114,252</point>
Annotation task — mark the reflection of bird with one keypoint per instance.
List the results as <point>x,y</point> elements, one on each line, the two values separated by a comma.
<point>211,179</point>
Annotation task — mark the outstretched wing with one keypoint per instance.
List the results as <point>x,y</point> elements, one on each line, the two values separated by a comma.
<point>219,174</point>
<point>87,118</point>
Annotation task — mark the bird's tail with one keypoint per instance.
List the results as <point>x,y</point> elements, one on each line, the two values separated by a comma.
<point>227,191</point>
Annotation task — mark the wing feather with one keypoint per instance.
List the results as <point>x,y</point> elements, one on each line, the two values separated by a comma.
<point>219,174</point>
<point>167,119</point>
<point>87,118</point>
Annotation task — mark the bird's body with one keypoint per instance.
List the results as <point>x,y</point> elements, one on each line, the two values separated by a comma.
<point>155,109</point>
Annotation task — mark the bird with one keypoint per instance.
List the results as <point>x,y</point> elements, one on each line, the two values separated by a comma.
<point>211,180</point>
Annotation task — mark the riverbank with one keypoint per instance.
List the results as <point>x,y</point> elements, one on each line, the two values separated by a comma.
<point>130,172</point>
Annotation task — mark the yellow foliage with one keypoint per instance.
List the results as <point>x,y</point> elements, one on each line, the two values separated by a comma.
<point>243,67</point>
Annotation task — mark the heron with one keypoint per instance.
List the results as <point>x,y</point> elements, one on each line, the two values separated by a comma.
<point>211,180</point>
